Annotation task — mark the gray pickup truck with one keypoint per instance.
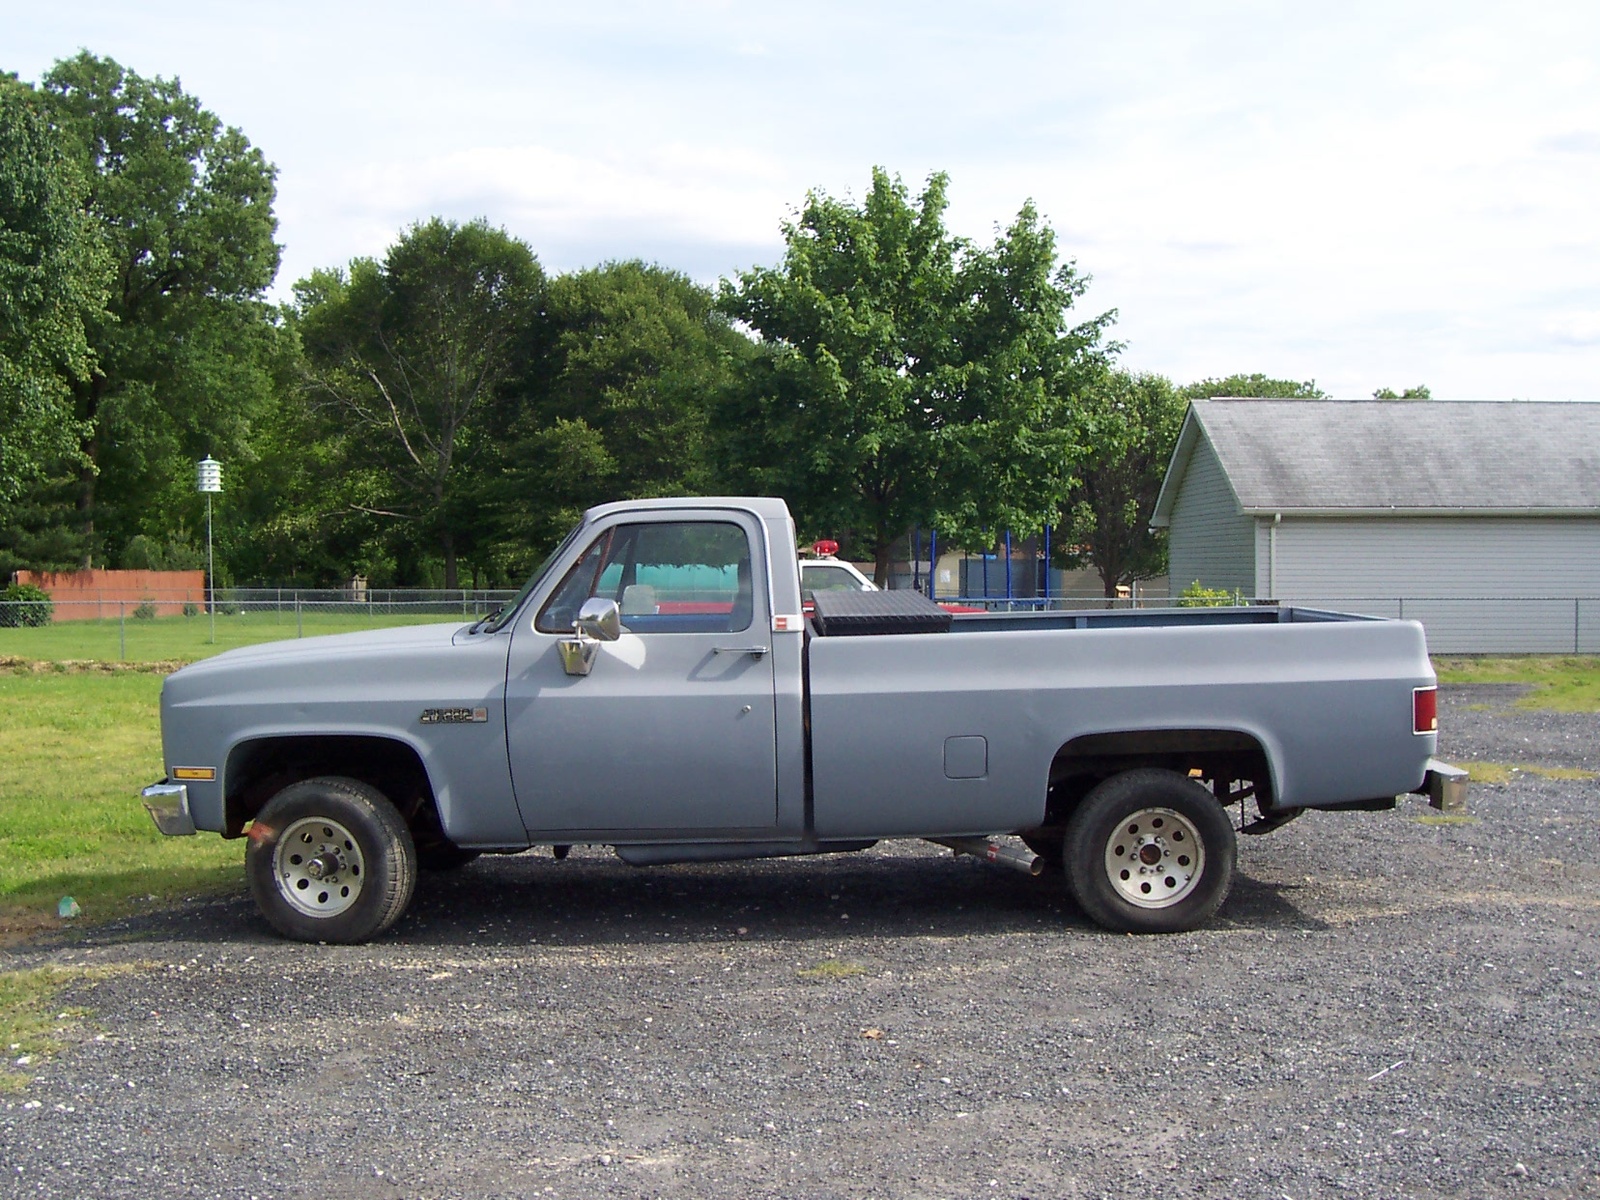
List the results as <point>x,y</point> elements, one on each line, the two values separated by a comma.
<point>657,687</point>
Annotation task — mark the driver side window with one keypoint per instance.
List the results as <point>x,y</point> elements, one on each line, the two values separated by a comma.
<point>666,577</point>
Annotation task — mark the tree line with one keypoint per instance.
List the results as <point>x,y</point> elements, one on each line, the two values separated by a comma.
<point>438,416</point>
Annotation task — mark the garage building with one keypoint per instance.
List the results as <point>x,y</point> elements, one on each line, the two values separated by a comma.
<point>1482,520</point>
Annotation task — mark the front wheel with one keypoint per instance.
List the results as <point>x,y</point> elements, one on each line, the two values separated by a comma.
<point>1150,851</point>
<point>330,860</point>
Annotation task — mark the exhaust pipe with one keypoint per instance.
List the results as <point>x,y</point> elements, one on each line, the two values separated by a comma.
<point>1019,858</point>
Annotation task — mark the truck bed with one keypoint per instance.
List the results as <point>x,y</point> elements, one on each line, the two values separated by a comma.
<point>958,732</point>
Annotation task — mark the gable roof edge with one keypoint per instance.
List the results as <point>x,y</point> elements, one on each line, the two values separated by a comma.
<point>1190,437</point>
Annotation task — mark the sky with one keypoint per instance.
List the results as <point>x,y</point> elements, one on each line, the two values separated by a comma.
<point>1364,194</point>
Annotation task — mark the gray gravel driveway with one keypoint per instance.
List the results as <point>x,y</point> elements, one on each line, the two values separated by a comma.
<point>1387,1006</point>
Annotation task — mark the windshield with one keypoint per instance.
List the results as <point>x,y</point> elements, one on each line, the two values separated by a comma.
<point>498,619</point>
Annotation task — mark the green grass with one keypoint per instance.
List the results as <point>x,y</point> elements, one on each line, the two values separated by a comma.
<point>184,639</point>
<point>32,1025</point>
<point>1487,772</point>
<point>75,748</point>
<point>1492,772</point>
<point>830,969</point>
<point>81,735</point>
<point>1564,683</point>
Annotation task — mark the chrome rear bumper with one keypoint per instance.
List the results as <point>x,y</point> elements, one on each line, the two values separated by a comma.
<point>1445,786</point>
<point>168,806</point>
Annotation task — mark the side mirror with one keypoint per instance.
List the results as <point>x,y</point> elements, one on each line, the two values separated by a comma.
<point>599,619</point>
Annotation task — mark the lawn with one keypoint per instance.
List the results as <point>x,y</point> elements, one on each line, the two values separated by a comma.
<point>184,639</point>
<point>1565,683</point>
<point>75,748</point>
<point>81,735</point>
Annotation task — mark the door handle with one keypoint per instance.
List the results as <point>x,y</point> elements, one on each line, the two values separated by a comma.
<point>758,651</point>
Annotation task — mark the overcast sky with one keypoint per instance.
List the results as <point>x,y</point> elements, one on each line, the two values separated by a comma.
<point>1367,194</point>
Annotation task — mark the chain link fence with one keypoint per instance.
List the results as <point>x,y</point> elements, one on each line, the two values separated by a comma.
<point>155,624</point>
<point>180,626</point>
<point>1454,624</point>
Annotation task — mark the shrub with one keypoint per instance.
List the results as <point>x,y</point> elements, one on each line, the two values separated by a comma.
<point>145,553</point>
<point>191,609</point>
<point>1197,595</point>
<point>25,605</point>
<point>146,610</point>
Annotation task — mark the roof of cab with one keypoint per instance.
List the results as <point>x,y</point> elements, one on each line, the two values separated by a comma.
<point>765,507</point>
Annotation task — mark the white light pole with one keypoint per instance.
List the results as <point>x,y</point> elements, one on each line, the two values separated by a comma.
<point>208,479</point>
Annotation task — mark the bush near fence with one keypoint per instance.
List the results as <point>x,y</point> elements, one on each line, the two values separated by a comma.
<point>24,604</point>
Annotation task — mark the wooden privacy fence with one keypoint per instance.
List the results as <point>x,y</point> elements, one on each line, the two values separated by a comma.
<point>95,595</point>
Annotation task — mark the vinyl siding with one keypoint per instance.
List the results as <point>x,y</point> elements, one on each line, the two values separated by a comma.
<point>1209,539</point>
<point>1478,585</point>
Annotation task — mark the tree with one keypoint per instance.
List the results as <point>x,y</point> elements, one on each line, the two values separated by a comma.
<point>638,350</point>
<point>181,350</point>
<point>1257,386</point>
<point>613,401</point>
<point>52,281</point>
<point>407,356</point>
<point>906,377</point>
<point>1420,392</point>
<point>1129,425</point>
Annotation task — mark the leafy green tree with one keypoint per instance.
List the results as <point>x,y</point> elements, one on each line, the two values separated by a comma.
<point>407,358</point>
<point>52,281</point>
<point>183,346</point>
<point>1257,386</point>
<point>1129,424</point>
<point>636,351</point>
<point>612,401</point>
<point>906,377</point>
<point>1420,392</point>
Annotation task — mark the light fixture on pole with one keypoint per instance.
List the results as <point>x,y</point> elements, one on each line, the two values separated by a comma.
<point>208,479</point>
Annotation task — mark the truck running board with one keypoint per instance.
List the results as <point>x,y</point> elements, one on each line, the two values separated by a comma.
<point>1267,822</point>
<point>650,854</point>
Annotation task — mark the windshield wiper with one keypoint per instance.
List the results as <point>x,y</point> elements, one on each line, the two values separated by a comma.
<point>485,620</point>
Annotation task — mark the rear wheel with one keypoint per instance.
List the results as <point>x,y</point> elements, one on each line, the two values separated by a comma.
<point>330,860</point>
<point>1150,851</point>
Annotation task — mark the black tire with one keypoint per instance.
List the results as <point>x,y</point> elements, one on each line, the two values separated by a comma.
<point>444,856</point>
<point>1150,851</point>
<point>330,860</point>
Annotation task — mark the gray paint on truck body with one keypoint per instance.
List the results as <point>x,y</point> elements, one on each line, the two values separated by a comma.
<point>1329,702</point>
<point>1328,699</point>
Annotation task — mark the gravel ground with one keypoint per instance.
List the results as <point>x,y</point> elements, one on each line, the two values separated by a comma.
<point>1385,1007</point>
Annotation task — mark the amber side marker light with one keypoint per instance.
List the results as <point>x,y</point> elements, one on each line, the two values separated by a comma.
<point>194,772</point>
<point>1425,710</point>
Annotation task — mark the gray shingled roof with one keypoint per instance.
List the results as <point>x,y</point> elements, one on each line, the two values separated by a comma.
<point>1381,455</point>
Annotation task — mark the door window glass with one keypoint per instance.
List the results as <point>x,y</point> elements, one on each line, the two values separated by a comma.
<point>666,576</point>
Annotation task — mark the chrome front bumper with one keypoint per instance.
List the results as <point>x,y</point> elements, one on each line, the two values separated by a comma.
<point>168,806</point>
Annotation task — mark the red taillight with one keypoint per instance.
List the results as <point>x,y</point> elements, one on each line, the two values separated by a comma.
<point>1425,710</point>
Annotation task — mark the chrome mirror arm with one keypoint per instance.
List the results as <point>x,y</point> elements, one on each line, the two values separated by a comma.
<point>598,621</point>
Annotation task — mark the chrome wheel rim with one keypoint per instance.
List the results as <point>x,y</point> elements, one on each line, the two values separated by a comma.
<point>319,867</point>
<point>1154,858</point>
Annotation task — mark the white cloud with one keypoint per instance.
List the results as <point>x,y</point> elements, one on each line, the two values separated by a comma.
<point>1367,193</point>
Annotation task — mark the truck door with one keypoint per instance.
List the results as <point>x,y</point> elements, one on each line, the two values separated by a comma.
<point>673,730</point>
